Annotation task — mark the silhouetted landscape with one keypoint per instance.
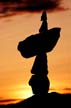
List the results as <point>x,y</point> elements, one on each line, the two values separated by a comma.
<point>38,45</point>
<point>47,101</point>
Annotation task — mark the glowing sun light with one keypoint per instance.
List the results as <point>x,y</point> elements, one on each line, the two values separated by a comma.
<point>23,94</point>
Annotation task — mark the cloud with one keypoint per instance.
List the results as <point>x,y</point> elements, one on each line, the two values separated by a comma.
<point>67,89</point>
<point>36,5</point>
<point>7,100</point>
<point>12,7</point>
<point>30,5</point>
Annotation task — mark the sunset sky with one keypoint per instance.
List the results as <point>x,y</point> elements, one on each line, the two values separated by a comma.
<point>15,71</point>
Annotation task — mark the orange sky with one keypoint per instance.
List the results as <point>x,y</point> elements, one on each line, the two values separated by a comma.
<point>15,70</point>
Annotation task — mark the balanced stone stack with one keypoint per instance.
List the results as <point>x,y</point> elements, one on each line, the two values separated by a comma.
<point>39,80</point>
<point>38,45</point>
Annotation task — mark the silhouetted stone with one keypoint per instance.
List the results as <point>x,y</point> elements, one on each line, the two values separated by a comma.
<point>39,43</point>
<point>40,65</point>
<point>39,84</point>
<point>44,16</point>
<point>44,26</point>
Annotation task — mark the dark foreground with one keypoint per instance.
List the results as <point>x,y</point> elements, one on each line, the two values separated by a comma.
<point>51,100</point>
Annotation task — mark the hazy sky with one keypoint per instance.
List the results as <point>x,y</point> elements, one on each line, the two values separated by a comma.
<point>15,71</point>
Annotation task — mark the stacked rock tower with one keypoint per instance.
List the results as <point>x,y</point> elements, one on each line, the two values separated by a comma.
<point>38,45</point>
<point>39,80</point>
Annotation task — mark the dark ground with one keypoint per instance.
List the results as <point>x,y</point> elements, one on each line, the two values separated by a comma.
<point>51,100</point>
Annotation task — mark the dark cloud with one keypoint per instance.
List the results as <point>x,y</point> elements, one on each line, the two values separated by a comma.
<point>5,1</point>
<point>8,6</point>
<point>67,89</point>
<point>7,100</point>
<point>35,5</point>
<point>52,89</point>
